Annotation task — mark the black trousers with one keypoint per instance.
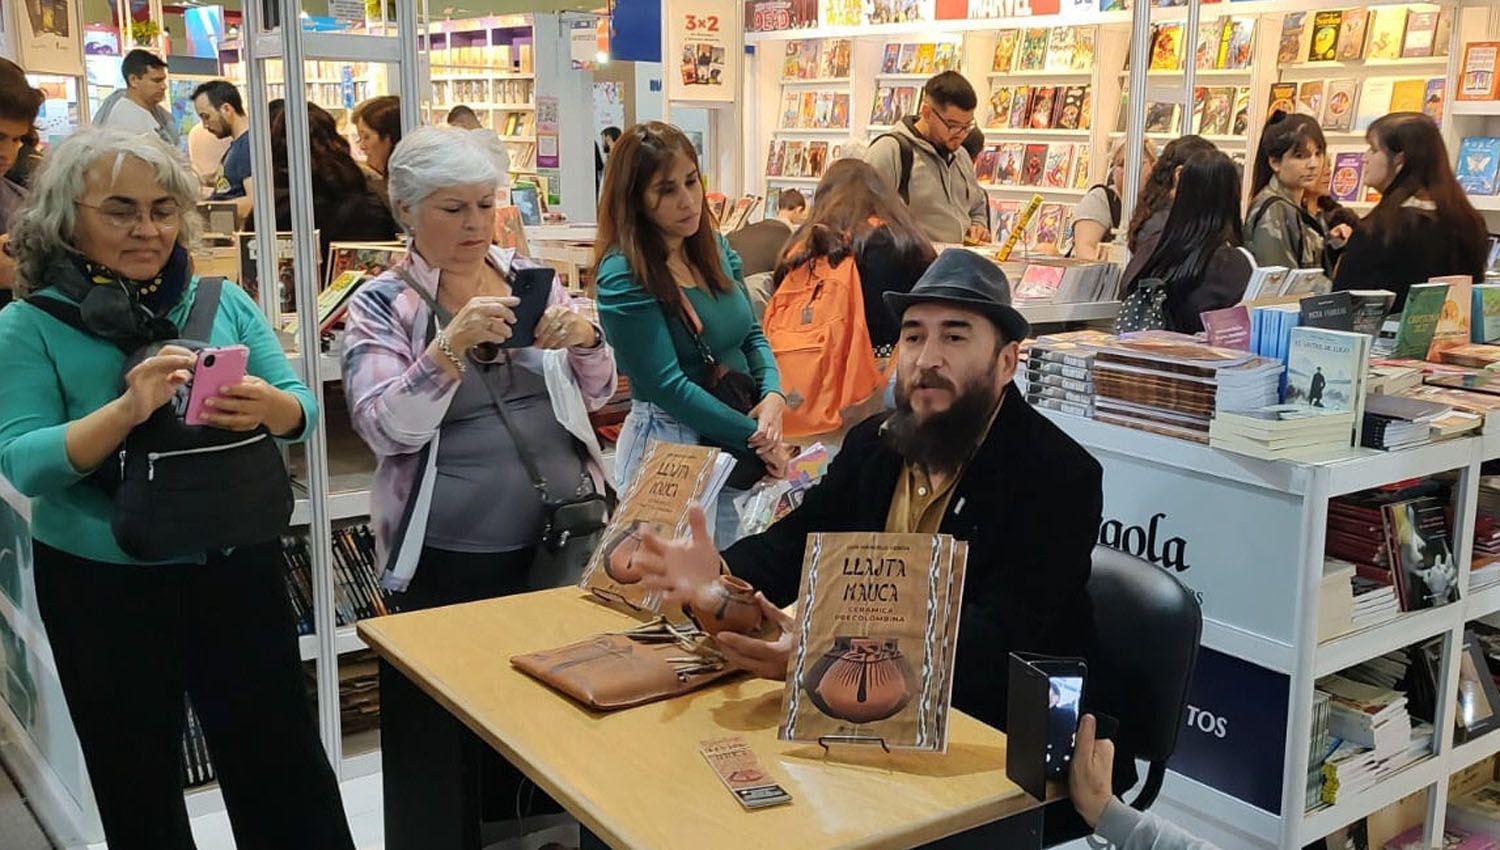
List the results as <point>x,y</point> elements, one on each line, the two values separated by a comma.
<point>131,640</point>
<point>442,578</point>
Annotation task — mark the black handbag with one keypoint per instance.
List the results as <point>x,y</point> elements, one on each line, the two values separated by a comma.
<point>735,389</point>
<point>574,525</point>
<point>180,490</point>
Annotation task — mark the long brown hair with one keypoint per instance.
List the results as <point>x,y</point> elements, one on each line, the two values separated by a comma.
<point>1425,171</point>
<point>1156,195</point>
<point>852,202</point>
<point>634,161</point>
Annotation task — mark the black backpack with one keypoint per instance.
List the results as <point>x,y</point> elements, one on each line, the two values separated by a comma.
<point>903,186</point>
<point>182,490</point>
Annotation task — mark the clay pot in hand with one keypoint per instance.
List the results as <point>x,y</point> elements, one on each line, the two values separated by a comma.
<point>861,679</point>
<point>726,604</point>
<point>619,554</point>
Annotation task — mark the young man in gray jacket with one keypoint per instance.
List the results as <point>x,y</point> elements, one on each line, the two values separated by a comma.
<point>923,158</point>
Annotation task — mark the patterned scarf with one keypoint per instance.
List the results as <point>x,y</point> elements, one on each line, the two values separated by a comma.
<point>160,294</point>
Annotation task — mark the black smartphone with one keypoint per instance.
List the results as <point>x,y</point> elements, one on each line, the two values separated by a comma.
<point>534,288</point>
<point>1064,703</point>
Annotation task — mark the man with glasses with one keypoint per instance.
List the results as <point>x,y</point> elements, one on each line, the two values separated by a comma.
<point>924,159</point>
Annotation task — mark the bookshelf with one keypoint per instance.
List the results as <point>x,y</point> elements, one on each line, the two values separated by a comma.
<point>1260,604</point>
<point>489,65</point>
<point>816,110</point>
<point>1472,123</point>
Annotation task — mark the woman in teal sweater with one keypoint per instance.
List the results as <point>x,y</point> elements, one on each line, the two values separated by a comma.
<point>130,639</point>
<point>663,269</point>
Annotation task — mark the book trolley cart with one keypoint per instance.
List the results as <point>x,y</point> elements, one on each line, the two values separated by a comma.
<point>1246,536</point>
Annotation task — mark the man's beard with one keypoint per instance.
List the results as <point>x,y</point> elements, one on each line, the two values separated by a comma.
<point>943,441</point>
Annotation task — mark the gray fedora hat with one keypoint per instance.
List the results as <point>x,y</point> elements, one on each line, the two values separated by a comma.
<point>960,276</point>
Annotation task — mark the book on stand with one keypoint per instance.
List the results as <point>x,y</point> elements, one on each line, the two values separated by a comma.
<point>872,659</point>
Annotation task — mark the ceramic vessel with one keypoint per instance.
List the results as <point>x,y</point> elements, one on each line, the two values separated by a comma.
<point>861,679</point>
<point>726,604</point>
<point>619,557</point>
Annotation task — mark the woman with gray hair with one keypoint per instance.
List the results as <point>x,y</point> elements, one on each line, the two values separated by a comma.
<point>456,512</point>
<point>105,238</point>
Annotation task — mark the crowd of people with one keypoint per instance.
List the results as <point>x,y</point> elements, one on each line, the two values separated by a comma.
<point>98,246</point>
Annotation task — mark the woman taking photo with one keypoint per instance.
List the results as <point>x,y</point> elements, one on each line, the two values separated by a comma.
<point>855,211</point>
<point>455,512</point>
<point>1155,199</point>
<point>1198,257</point>
<point>1424,225</point>
<point>669,286</point>
<point>1279,230</point>
<point>110,222</point>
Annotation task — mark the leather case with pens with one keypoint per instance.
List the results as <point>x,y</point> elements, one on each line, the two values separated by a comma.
<point>654,661</point>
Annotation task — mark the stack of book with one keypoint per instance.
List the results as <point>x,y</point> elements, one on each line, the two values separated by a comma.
<point>1282,432</point>
<point>1323,394</point>
<point>1374,603</point>
<point>1280,282</point>
<point>1059,372</point>
<point>1319,745</point>
<point>1375,732</point>
<point>1397,422</point>
<point>1173,385</point>
<point>1336,599</point>
<point>1398,539</point>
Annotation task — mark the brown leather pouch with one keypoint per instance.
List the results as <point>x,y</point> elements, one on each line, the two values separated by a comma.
<point>613,671</point>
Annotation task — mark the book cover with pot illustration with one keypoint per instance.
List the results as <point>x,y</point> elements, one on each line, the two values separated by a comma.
<point>671,478</point>
<point>878,625</point>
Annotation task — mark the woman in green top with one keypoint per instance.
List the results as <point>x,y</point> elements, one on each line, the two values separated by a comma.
<point>662,267</point>
<point>131,639</point>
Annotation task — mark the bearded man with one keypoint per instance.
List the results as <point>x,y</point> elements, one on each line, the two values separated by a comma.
<point>962,454</point>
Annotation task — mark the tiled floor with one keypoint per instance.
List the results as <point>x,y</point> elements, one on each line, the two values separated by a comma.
<point>362,805</point>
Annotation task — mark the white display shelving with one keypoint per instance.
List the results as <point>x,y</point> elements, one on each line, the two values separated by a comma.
<point>487,64</point>
<point>1260,604</point>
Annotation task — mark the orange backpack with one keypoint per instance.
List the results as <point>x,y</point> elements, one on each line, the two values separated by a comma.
<point>815,323</point>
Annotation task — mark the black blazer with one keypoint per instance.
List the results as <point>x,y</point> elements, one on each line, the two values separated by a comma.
<point>1029,504</point>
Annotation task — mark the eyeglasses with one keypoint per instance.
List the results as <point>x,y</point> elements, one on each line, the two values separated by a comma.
<point>953,128</point>
<point>126,216</point>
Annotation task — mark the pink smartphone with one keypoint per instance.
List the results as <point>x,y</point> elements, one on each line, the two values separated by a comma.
<point>216,368</point>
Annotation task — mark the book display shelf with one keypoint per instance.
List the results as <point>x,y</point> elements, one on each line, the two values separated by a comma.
<point>1240,773</point>
<point>1054,89</point>
<point>817,112</point>
<point>489,65</point>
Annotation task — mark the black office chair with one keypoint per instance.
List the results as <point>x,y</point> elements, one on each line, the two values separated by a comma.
<point>1146,632</point>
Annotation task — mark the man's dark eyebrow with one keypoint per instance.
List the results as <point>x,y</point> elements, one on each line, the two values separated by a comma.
<point>964,324</point>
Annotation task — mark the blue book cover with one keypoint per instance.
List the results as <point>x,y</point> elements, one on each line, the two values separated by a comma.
<point>1257,332</point>
<point>1478,164</point>
<point>1484,325</point>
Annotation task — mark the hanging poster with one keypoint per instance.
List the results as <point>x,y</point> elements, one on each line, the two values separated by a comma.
<point>546,131</point>
<point>703,45</point>
<point>609,106</point>
<point>47,37</point>
<point>773,15</point>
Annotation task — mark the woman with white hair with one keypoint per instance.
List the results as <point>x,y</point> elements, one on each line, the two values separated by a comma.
<point>104,269</point>
<point>457,514</point>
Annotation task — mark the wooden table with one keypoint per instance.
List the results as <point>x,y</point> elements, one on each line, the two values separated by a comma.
<point>634,778</point>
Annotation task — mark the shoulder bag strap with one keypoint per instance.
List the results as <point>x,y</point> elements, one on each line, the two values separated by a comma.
<point>200,321</point>
<point>487,376</point>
